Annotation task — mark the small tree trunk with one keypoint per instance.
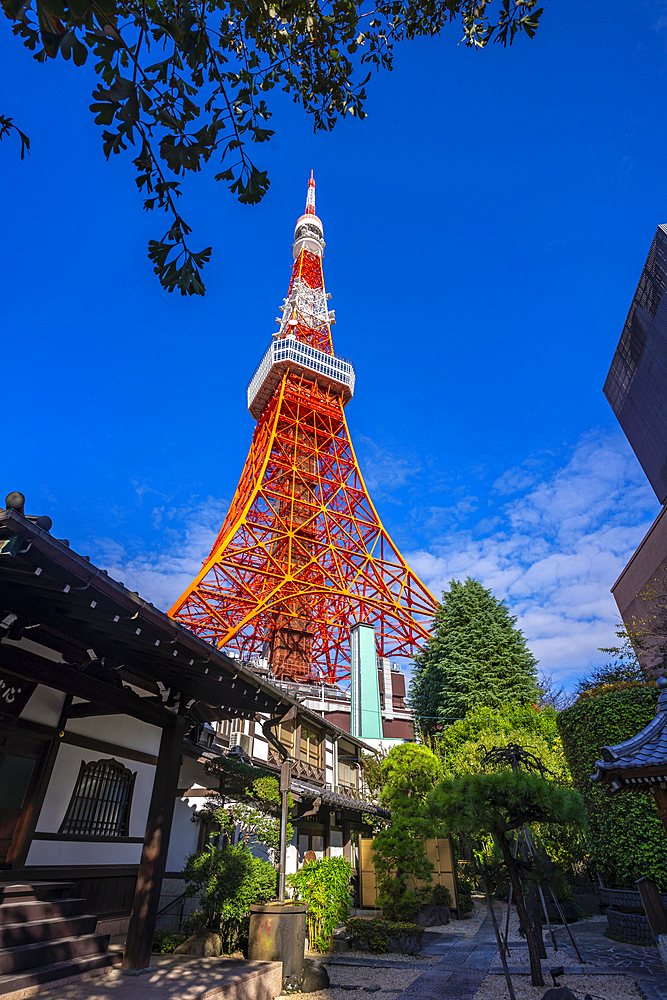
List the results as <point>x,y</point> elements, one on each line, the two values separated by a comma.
<point>531,940</point>
<point>535,910</point>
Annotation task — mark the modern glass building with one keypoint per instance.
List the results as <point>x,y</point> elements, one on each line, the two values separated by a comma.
<point>636,386</point>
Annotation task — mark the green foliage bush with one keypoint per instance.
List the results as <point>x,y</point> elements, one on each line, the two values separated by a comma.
<point>462,745</point>
<point>384,935</point>
<point>227,880</point>
<point>441,896</point>
<point>409,773</point>
<point>626,839</point>
<point>325,886</point>
<point>164,942</point>
<point>466,905</point>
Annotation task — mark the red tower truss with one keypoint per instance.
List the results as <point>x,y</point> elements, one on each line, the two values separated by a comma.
<point>302,554</point>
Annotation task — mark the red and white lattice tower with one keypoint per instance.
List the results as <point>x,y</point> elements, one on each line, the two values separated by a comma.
<point>302,555</point>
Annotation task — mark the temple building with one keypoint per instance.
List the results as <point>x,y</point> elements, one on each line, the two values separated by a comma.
<point>109,713</point>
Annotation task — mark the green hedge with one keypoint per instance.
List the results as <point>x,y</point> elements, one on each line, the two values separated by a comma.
<point>626,840</point>
<point>385,935</point>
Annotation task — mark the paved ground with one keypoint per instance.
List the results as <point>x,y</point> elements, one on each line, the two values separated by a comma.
<point>176,978</point>
<point>462,968</point>
<point>464,964</point>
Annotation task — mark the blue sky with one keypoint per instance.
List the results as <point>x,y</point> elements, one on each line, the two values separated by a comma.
<point>486,226</point>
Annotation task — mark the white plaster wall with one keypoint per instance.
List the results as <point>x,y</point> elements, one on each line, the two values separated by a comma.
<point>184,833</point>
<point>44,706</point>
<point>64,852</point>
<point>292,856</point>
<point>192,775</point>
<point>329,772</point>
<point>120,729</point>
<point>60,789</point>
<point>260,749</point>
<point>336,844</point>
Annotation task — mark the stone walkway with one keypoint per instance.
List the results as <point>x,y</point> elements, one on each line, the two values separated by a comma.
<point>463,966</point>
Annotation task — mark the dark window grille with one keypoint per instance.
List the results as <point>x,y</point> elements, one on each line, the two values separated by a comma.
<point>100,803</point>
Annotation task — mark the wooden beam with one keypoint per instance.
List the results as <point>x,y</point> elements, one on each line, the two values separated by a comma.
<point>20,663</point>
<point>140,932</point>
<point>86,709</point>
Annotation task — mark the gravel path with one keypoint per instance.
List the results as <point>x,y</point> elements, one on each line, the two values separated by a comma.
<point>610,987</point>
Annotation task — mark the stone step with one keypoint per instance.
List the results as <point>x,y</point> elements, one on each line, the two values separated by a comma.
<point>10,891</point>
<point>39,953</point>
<point>13,982</point>
<point>49,929</point>
<point>40,909</point>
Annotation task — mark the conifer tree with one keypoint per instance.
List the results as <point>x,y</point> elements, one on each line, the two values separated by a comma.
<point>476,657</point>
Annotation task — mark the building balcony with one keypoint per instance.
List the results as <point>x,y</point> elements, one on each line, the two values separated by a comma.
<point>300,768</point>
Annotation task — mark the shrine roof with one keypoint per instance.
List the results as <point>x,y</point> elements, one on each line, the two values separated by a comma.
<point>338,800</point>
<point>642,756</point>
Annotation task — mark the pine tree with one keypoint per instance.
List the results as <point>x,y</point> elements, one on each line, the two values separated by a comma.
<point>476,657</point>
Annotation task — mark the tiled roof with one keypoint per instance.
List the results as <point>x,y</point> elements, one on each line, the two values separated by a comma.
<point>646,749</point>
<point>338,800</point>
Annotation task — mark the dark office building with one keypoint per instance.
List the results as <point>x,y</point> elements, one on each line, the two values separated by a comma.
<point>636,388</point>
<point>636,385</point>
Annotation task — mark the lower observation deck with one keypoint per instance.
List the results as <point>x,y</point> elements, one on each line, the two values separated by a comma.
<point>290,354</point>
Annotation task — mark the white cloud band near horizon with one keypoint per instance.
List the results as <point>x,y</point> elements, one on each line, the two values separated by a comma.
<point>554,550</point>
<point>551,544</point>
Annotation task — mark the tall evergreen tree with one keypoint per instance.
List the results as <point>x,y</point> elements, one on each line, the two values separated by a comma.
<point>476,657</point>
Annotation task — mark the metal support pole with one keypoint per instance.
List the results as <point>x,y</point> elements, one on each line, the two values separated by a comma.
<point>509,904</point>
<point>565,924</point>
<point>531,848</point>
<point>558,907</point>
<point>285,785</point>
<point>508,978</point>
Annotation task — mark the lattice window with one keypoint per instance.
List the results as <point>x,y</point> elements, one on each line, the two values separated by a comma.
<point>100,803</point>
<point>286,736</point>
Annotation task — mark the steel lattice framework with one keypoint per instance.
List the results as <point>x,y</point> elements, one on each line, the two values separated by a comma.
<point>302,554</point>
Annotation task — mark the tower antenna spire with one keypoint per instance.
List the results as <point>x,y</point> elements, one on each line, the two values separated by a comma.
<point>310,197</point>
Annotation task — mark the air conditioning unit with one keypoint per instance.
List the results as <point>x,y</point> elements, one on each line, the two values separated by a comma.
<point>241,740</point>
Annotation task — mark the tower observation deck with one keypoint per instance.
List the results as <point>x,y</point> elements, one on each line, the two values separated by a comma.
<point>302,555</point>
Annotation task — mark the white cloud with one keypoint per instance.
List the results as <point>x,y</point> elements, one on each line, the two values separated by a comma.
<point>161,576</point>
<point>554,552</point>
<point>383,471</point>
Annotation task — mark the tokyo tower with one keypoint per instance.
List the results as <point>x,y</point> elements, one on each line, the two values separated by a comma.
<point>303,556</point>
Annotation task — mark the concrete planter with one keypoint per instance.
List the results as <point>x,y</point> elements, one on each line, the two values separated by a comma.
<point>625,899</point>
<point>278,934</point>
<point>630,927</point>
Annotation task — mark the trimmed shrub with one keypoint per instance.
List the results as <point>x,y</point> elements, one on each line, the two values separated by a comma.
<point>384,935</point>
<point>227,880</point>
<point>441,896</point>
<point>466,905</point>
<point>164,942</point>
<point>626,839</point>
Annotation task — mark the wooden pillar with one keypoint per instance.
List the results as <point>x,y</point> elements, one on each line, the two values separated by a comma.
<point>347,841</point>
<point>661,803</point>
<point>653,908</point>
<point>137,954</point>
